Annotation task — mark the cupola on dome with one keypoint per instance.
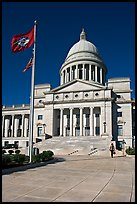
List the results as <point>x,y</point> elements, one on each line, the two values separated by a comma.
<point>83,48</point>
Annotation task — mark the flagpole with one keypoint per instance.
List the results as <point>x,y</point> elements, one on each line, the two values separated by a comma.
<point>32,99</point>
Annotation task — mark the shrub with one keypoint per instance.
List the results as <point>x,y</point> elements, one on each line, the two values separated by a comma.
<point>10,151</point>
<point>17,151</point>
<point>130,151</point>
<point>6,159</point>
<point>19,158</point>
<point>3,151</point>
<point>36,158</point>
<point>47,154</point>
<point>50,153</point>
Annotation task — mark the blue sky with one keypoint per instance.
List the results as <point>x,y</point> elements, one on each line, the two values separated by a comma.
<point>109,26</point>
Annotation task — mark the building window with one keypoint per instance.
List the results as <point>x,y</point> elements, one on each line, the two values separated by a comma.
<point>68,120</point>
<point>27,132</point>
<point>119,114</point>
<point>97,115</point>
<point>97,130</point>
<point>19,133</point>
<point>120,130</point>
<point>9,132</point>
<point>87,120</point>
<point>16,143</point>
<point>76,95</point>
<point>40,132</point>
<point>40,117</point>
<point>118,96</point>
<point>57,97</point>
<point>66,96</point>
<point>20,121</point>
<point>6,143</point>
<point>77,120</point>
<point>96,94</point>
<point>27,143</point>
<point>86,95</point>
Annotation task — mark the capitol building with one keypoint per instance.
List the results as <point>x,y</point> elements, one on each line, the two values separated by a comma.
<point>84,105</point>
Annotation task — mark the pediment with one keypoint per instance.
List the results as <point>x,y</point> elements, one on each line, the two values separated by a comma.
<point>78,85</point>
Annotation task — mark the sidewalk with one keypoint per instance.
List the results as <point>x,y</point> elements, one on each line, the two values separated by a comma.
<point>73,179</point>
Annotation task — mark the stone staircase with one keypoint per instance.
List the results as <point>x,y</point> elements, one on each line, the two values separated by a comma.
<point>75,145</point>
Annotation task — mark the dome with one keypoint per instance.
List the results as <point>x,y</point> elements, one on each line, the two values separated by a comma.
<point>82,49</point>
<point>83,61</point>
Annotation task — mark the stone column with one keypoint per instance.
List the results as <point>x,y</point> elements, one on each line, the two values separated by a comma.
<point>71,73</point>
<point>91,122</point>
<point>74,124</point>
<point>22,134</point>
<point>84,124</point>
<point>12,125</point>
<point>3,118</point>
<point>66,77</point>
<point>16,126</point>
<point>76,77</point>
<point>26,120</point>
<point>61,122</point>
<point>81,121</point>
<point>101,75</point>
<point>7,122</point>
<point>71,121</point>
<point>96,73</point>
<point>61,79</point>
<point>89,71</point>
<point>83,77</point>
<point>64,126</point>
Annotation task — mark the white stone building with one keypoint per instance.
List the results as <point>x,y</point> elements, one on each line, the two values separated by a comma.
<point>84,105</point>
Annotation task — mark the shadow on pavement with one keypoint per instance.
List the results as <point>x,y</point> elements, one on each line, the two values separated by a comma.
<point>31,166</point>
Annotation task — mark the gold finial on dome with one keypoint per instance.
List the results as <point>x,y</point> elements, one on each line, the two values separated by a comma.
<point>83,35</point>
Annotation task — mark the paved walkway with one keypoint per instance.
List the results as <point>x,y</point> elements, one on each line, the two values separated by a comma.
<point>73,179</point>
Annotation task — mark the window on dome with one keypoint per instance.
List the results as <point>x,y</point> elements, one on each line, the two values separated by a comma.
<point>80,73</point>
<point>80,66</point>
<point>98,74</point>
<point>64,76</point>
<point>68,74</point>
<point>73,72</point>
<point>87,71</point>
<point>92,72</point>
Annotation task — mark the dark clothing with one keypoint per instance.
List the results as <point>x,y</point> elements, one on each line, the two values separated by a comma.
<point>112,149</point>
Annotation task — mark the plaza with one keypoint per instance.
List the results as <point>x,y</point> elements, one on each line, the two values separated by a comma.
<point>75,178</point>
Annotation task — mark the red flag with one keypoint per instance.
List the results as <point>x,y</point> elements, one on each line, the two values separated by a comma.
<point>30,63</point>
<point>22,41</point>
